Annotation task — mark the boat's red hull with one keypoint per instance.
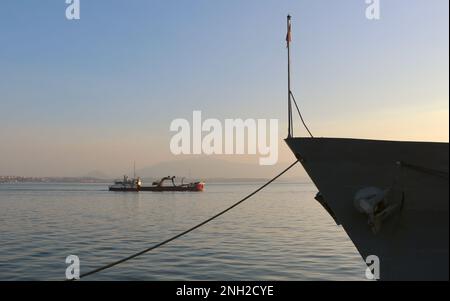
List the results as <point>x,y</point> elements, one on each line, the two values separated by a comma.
<point>193,188</point>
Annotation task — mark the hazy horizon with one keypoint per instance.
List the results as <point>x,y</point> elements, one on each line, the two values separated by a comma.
<point>195,167</point>
<point>100,92</point>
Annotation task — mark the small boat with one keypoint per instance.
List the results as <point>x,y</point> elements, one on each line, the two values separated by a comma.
<point>126,184</point>
<point>158,186</point>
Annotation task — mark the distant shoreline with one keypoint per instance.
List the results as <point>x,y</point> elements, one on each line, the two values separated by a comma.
<point>88,180</point>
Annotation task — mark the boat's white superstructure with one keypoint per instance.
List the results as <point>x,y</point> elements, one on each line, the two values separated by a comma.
<point>126,184</point>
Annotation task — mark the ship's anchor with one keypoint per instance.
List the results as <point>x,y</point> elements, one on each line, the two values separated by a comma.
<point>377,204</point>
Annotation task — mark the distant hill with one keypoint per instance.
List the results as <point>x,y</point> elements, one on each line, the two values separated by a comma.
<point>96,174</point>
<point>209,168</point>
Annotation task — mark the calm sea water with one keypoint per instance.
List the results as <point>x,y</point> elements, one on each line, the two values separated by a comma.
<point>280,234</point>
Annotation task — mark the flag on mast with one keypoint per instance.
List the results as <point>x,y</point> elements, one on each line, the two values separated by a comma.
<point>289,34</point>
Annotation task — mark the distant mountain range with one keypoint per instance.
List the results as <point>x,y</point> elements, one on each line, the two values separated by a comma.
<point>198,168</point>
<point>96,174</point>
<point>209,168</point>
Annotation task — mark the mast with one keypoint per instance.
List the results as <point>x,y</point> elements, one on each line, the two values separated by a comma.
<point>134,169</point>
<point>288,41</point>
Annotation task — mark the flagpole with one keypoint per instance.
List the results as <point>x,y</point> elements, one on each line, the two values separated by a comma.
<point>288,40</point>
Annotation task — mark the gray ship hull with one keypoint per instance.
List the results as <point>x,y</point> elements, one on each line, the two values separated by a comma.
<point>411,230</point>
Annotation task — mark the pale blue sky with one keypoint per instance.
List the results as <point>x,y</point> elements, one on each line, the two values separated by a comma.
<point>91,94</point>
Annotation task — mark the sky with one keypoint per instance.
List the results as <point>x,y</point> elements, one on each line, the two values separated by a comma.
<point>100,92</point>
